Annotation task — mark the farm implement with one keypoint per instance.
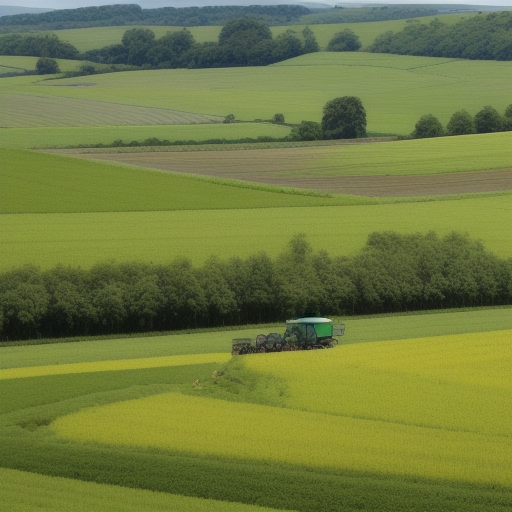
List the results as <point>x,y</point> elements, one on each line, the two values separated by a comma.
<point>302,334</point>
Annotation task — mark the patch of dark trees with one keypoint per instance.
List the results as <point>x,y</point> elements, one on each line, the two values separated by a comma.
<point>486,120</point>
<point>365,14</point>
<point>241,42</point>
<point>39,45</point>
<point>131,14</point>
<point>392,273</point>
<point>482,37</point>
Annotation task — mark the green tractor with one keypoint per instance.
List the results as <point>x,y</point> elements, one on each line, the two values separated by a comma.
<point>302,334</point>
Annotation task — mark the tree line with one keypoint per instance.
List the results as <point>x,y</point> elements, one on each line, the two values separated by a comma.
<point>482,37</point>
<point>130,14</point>
<point>241,42</point>
<point>392,273</point>
<point>486,120</point>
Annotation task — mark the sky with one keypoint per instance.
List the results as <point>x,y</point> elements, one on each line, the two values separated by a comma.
<point>71,4</point>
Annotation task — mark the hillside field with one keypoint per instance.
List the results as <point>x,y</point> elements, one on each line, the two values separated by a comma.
<point>395,90</point>
<point>362,442</point>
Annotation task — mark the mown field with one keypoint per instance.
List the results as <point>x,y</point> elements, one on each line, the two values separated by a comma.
<point>90,38</point>
<point>395,90</point>
<point>363,443</point>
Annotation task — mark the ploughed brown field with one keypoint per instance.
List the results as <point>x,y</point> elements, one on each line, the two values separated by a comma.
<point>287,167</point>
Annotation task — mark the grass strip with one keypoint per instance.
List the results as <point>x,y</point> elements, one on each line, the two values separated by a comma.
<point>113,365</point>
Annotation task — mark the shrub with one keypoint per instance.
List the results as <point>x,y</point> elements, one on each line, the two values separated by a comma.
<point>47,66</point>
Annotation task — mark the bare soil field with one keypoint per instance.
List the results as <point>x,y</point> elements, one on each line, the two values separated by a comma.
<point>271,167</point>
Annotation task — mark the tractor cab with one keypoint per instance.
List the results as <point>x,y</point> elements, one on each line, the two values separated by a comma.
<point>312,332</point>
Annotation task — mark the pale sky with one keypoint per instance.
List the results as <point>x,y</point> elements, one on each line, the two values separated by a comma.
<point>71,4</point>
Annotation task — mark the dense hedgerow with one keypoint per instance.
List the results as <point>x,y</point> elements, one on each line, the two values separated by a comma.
<point>392,273</point>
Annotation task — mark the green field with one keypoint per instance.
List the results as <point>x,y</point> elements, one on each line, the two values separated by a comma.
<point>395,90</point>
<point>26,138</point>
<point>48,494</point>
<point>82,239</point>
<point>406,455</point>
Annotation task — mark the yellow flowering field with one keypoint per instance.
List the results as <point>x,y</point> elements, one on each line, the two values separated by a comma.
<point>212,427</point>
<point>458,382</point>
<point>108,366</point>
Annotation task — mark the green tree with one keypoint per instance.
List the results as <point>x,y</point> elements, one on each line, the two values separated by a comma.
<point>507,119</point>
<point>278,119</point>
<point>310,42</point>
<point>230,118</point>
<point>299,287</point>
<point>344,118</point>
<point>344,41</point>
<point>428,126</point>
<point>488,120</point>
<point>168,51</point>
<point>286,46</point>
<point>461,123</point>
<point>138,42</point>
<point>47,66</point>
<point>307,130</point>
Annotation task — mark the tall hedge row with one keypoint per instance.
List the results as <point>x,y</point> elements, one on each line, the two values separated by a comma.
<point>391,273</point>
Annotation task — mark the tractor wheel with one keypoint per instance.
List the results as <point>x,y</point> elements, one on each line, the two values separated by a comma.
<point>260,339</point>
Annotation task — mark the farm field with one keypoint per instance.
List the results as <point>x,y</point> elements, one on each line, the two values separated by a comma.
<point>350,169</point>
<point>39,137</point>
<point>395,90</point>
<point>51,493</point>
<point>82,239</point>
<point>91,38</point>
<point>20,111</point>
<point>370,456</point>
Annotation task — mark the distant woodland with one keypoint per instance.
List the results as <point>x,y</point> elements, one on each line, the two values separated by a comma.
<point>485,37</point>
<point>128,14</point>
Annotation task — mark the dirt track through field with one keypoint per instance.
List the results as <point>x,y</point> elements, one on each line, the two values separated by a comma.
<point>273,171</point>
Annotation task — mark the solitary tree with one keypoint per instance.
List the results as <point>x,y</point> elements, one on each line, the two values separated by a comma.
<point>344,41</point>
<point>278,119</point>
<point>428,126</point>
<point>47,66</point>
<point>344,118</point>
<point>488,120</point>
<point>461,123</point>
